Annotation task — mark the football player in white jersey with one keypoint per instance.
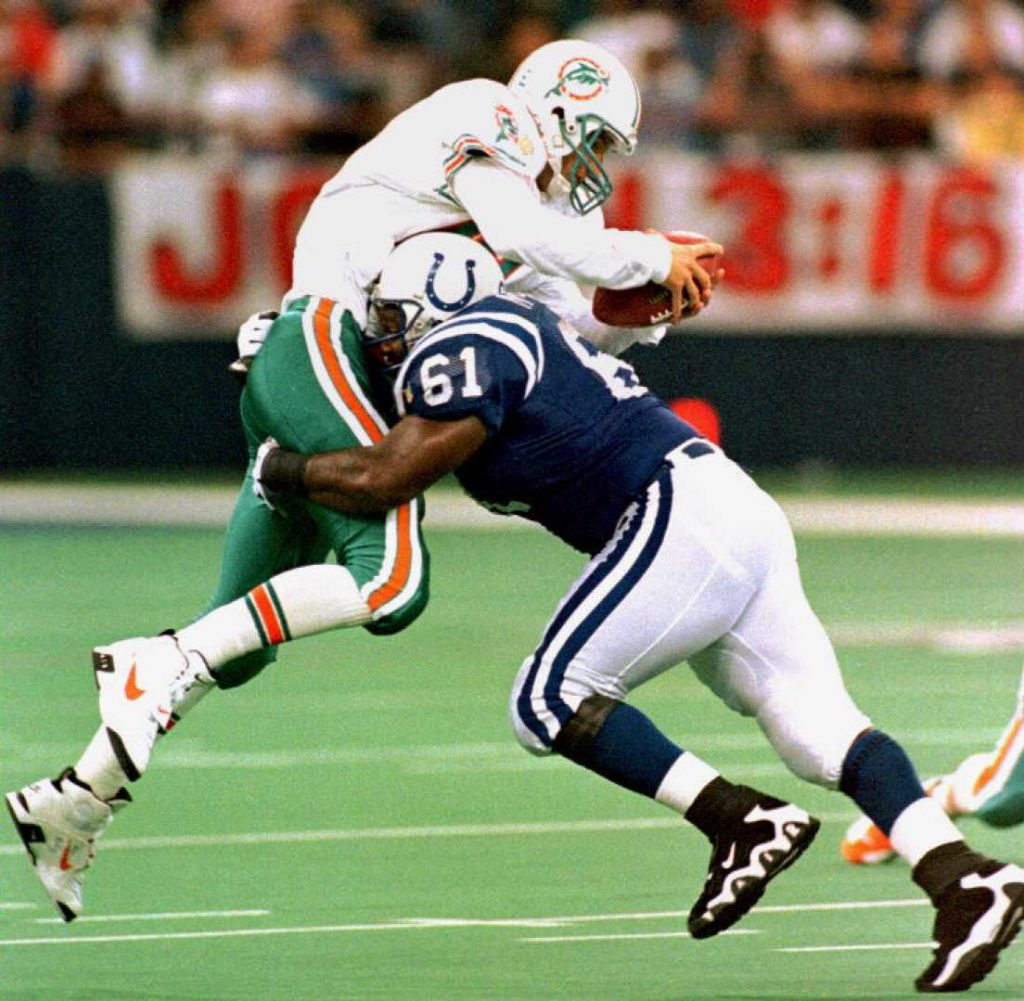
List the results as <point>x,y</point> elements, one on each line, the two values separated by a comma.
<point>517,165</point>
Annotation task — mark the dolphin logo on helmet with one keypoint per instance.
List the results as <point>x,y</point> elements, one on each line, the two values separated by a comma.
<point>580,80</point>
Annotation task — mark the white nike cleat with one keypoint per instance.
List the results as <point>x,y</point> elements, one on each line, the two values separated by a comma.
<point>142,681</point>
<point>58,821</point>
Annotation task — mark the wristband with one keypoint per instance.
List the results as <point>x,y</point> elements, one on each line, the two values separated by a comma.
<point>283,471</point>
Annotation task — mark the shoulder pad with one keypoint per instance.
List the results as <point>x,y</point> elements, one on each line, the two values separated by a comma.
<point>489,119</point>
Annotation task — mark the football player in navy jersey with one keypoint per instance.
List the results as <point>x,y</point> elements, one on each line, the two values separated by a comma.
<point>690,561</point>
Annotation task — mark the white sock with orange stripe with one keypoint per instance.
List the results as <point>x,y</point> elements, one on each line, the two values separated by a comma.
<point>295,603</point>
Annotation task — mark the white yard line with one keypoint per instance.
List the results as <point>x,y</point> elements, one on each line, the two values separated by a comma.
<point>868,515</point>
<point>879,947</point>
<point>376,834</point>
<point>965,638</point>
<point>155,916</point>
<point>210,933</point>
<point>140,504</point>
<point>425,924</point>
<point>842,905</point>
<point>188,752</point>
<point>625,936</point>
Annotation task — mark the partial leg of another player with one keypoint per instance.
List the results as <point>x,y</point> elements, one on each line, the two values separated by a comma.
<point>274,586</point>
<point>148,683</point>
<point>988,785</point>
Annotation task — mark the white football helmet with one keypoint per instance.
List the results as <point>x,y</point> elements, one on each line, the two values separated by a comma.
<point>426,280</point>
<point>578,92</point>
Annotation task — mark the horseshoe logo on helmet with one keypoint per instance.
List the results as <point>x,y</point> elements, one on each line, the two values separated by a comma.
<point>435,300</point>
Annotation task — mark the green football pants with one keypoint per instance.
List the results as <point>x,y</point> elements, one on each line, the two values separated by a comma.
<point>309,388</point>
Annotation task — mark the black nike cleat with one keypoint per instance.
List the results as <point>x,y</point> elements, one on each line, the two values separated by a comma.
<point>977,916</point>
<point>768,838</point>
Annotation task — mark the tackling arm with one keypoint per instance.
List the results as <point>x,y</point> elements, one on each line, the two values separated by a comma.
<point>414,454</point>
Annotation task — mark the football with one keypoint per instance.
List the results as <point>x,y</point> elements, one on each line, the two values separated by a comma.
<point>648,304</point>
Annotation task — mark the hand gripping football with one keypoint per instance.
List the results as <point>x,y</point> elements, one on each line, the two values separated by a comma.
<point>650,304</point>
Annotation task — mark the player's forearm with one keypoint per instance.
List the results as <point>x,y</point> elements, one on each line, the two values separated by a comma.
<point>348,480</point>
<point>516,225</point>
<point>356,481</point>
<point>607,257</point>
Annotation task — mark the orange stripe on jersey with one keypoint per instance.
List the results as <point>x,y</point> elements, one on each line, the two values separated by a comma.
<point>322,332</point>
<point>986,774</point>
<point>460,155</point>
<point>403,561</point>
<point>272,625</point>
<point>450,168</point>
<point>476,143</point>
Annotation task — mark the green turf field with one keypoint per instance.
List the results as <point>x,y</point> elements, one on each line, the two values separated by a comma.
<point>359,823</point>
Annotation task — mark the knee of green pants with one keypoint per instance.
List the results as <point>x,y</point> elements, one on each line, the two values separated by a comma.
<point>1005,809</point>
<point>387,625</point>
<point>242,669</point>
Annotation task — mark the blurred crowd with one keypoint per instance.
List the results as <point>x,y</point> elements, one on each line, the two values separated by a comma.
<point>85,82</point>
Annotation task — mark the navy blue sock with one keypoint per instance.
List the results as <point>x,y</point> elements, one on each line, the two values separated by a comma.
<point>622,745</point>
<point>878,776</point>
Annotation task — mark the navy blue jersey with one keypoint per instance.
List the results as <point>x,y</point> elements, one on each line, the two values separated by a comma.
<point>573,436</point>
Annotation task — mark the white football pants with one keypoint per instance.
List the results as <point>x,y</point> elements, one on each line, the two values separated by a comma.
<point>701,569</point>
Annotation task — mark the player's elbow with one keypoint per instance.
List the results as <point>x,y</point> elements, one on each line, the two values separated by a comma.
<point>506,245</point>
<point>512,239</point>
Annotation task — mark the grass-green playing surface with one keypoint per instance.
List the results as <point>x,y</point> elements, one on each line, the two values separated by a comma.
<point>359,823</point>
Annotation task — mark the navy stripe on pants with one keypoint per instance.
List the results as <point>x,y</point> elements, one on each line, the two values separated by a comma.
<point>574,642</point>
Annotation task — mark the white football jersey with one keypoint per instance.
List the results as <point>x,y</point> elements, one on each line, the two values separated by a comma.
<point>401,183</point>
<point>398,184</point>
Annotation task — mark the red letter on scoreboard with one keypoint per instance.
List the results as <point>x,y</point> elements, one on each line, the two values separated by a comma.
<point>224,276</point>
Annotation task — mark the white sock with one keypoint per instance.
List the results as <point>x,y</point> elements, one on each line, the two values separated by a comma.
<point>921,827</point>
<point>196,692</point>
<point>684,782</point>
<point>98,767</point>
<point>295,603</point>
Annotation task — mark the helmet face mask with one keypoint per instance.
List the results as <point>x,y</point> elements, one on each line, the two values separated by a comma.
<point>426,280</point>
<point>580,95</point>
<point>392,327</point>
<point>588,181</point>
